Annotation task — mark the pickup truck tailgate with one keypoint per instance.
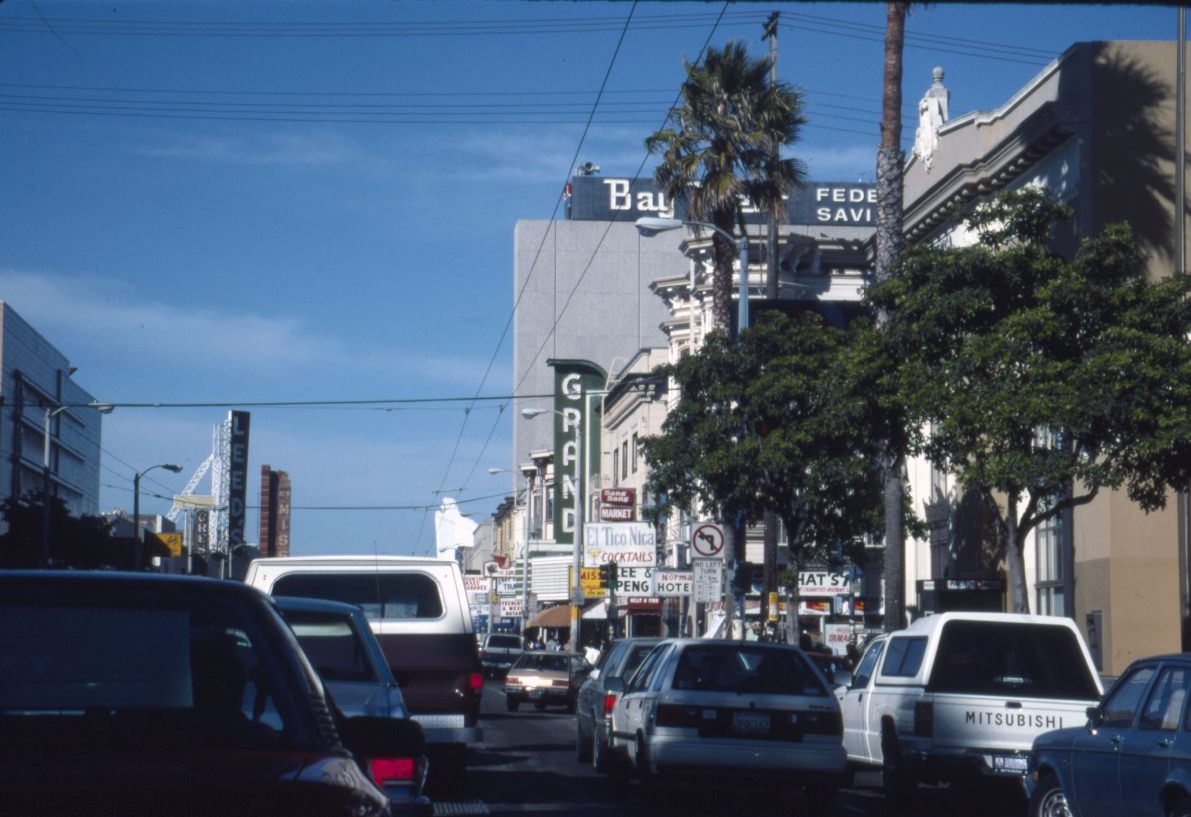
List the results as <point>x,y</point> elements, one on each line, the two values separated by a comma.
<point>999,723</point>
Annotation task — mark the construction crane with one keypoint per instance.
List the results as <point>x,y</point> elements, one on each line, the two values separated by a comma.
<point>217,464</point>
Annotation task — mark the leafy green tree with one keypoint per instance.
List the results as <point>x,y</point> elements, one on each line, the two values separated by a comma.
<point>1045,379</point>
<point>725,147</point>
<point>780,421</point>
<point>80,542</point>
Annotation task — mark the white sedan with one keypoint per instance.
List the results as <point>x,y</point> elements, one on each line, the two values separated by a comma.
<point>723,712</point>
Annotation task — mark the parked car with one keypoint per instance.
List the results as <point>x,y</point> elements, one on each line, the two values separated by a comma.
<point>598,693</point>
<point>340,644</point>
<point>150,694</point>
<point>545,678</point>
<point>960,697</point>
<point>1132,757</point>
<point>750,713</point>
<point>418,610</point>
<point>498,651</point>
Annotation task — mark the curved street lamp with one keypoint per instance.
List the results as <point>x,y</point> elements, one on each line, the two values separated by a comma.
<point>650,226</point>
<point>138,529</point>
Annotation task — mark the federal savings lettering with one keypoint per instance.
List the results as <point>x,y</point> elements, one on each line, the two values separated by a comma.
<point>844,205</point>
<point>1018,719</point>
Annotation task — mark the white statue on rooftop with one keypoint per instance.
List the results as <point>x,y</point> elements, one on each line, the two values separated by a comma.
<point>932,113</point>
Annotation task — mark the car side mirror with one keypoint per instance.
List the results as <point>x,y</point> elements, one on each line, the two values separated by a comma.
<point>1095,717</point>
<point>368,736</point>
<point>843,677</point>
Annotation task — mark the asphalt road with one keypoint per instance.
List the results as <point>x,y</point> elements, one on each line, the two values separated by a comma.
<point>526,765</point>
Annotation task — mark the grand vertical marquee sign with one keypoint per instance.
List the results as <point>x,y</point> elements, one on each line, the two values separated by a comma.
<point>578,385</point>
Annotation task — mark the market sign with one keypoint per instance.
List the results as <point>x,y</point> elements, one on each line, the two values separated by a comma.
<point>618,505</point>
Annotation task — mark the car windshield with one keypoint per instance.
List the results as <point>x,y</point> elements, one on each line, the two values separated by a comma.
<point>332,646</point>
<point>551,662</point>
<point>175,674</point>
<point>746,668</point>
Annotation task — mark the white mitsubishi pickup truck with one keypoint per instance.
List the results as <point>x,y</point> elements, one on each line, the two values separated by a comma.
<point>960,696</point>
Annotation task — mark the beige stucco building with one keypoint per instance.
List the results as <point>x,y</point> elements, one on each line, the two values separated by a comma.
<point>1097,127</point>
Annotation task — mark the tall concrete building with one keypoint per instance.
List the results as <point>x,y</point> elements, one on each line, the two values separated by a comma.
<point>49,429</point>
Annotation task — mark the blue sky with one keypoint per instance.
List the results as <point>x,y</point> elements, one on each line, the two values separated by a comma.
<point>314,202</point>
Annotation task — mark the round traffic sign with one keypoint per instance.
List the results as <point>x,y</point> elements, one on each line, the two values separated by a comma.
<point>708,541</point>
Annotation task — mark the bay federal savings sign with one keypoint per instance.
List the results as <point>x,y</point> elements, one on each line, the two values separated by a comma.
<point>841,204</point>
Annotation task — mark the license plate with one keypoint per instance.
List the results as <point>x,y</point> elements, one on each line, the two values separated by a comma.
<point>1010,764</point>
<point>535,693</point>
<point>750,723</point>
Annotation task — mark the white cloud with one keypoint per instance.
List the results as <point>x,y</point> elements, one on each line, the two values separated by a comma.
<point>269,148</point>
<point>89,316</point>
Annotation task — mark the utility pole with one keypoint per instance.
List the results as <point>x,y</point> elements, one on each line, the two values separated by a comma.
<point>769,566</point>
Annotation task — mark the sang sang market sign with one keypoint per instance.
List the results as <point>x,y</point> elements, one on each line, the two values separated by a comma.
<point>841,204</point>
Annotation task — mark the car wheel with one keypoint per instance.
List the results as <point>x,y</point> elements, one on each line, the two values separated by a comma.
<point>1182,808</point>
<point>1048,799</point>
<point>582,744</point>
<point>599,753</point>
<point>512,703</point>
<point>896,780</point>
<point>645,777</point>
<point>572,704</point>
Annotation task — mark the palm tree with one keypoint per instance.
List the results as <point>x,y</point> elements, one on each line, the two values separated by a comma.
<point>725,148</point>
<point>889,245</point>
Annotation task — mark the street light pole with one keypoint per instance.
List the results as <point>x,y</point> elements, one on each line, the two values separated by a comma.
<point>138,530</point>
<point>651,226</point>
<point>45,486</point>
<point>580,501</point>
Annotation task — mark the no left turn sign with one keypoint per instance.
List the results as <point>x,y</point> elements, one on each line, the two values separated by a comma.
<point>708,541</point>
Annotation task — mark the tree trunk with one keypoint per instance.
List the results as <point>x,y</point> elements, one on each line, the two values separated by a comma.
<point>1015,563</point>
<point>889,244</point>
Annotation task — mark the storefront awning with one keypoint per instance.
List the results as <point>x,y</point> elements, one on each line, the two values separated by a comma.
<point>560,616</point>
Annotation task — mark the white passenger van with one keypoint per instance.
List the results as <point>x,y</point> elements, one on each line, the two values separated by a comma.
<point>418,609</point>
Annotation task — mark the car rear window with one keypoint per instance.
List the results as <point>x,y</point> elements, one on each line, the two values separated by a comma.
<point>332,646</point>
<point>555,662</point>
<point>1001,658</point>
<point>742,668</point>
<point>200,675</point>
<point>408,595</point>
<point>504,642</point>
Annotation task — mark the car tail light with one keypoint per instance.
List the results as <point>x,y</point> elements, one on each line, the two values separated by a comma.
<point>475,681</point>
<point>679,717</point>
<point>924,719</point>
<point>560,682</point>
<point>388,771</point>
<point>514,680</point>
<point>609,703</point>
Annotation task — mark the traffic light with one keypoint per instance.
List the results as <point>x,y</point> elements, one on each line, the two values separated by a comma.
<point>608,575</point>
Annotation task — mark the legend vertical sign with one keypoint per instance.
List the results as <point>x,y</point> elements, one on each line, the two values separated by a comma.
<point>237,479</point>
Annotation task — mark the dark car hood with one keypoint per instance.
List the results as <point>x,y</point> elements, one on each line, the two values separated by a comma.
<point>214,783</point>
